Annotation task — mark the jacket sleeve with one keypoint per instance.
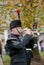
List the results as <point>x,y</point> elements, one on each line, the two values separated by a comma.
<point>21,44</point>
<point>26,39</point>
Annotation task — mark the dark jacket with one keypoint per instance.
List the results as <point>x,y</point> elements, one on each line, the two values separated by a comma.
<point>29,48</point>
<point>16,49</point>
<point>0,48</point>
<point>30,44</point>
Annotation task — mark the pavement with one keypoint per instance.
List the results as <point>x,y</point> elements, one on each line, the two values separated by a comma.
<point>1,62</point>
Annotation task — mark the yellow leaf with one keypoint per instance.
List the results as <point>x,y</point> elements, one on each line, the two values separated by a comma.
<point>28,6</point>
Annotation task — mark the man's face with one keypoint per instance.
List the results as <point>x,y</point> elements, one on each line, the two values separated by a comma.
<point>14,30</point>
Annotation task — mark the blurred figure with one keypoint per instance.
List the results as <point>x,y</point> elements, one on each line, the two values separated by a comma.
<point>0,49</point>
<point>1,61</point>
<point>16,46</point>
<point>42,45</point>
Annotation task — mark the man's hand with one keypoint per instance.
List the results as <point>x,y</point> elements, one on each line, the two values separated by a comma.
<point>27,31</point>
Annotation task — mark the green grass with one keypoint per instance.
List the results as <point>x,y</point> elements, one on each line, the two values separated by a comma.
<point>42,55</point>
<point>6,60</point>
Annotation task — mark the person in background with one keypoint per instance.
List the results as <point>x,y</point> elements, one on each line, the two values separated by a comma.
<point>1,60</point>
<point>42,45</point>
<point>0,49</point>
<point>15,46</point>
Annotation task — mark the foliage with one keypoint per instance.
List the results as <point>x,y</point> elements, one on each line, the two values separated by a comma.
<point>30,9</point>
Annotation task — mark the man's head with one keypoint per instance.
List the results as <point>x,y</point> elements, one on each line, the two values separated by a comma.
<point>15,26</point>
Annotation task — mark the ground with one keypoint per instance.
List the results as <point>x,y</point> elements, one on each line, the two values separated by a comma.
<point>34,61</point>
<point>1,63</point>
<point>37,63</point>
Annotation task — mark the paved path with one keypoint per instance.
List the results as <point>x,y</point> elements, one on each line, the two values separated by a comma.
<point>1,63</point>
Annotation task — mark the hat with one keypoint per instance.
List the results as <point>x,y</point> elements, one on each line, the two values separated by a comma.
<point>15,23</point>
